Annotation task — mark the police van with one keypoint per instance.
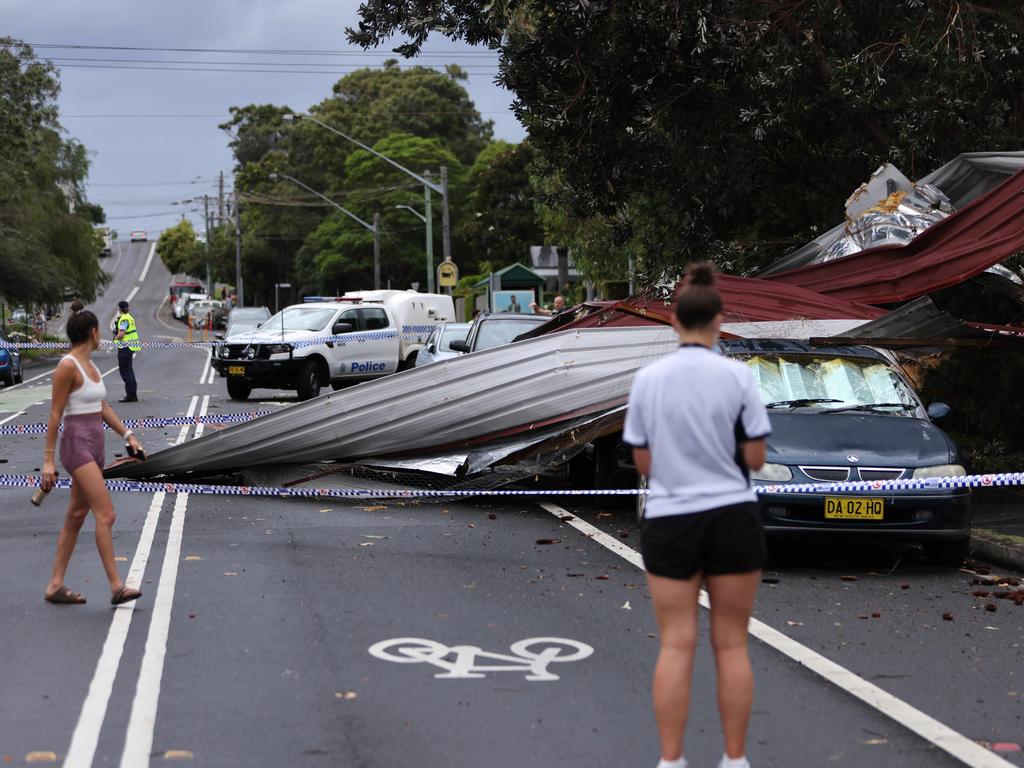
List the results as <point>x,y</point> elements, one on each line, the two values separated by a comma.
<point>332,340</point>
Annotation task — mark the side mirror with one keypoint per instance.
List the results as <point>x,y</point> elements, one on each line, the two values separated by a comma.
<point>938,411</point>
<point>259,325</point>
<point>431,348</point>
<point>339,328</point>
<point>458,346</point>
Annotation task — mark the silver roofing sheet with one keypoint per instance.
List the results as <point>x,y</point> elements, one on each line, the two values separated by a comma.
<point>962,180</point>
<point>463,401</point>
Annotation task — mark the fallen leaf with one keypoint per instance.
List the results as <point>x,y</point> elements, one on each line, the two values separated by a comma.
<point>1005,746</point>
<point>602,577</point>
<point>373,508</point>
<point>795,623</point>
<point>191,615</point>
<point>365,543</point>
<point>876,615</point>
<point>623,534</point>
<point>192,557</point>
<point>471,525</point>
<point>41,757</point>
<point>862,615</point>
<point>990,607</point>
<point>980,593</point>
<point>371,536</point>
<point>848,578</point>
<point>604,514</point>
<point>769,580</point>
<point>904,586</point>
<point>120,559</point>
<point>549,541</point>
<point>346,695</point>
<point>947,616</point>
<point>874,742</point>
<point>491,516</point>
<point>626,606</point>
<point>230,573</point>
<point>177,754</point>
<point>330,509</point>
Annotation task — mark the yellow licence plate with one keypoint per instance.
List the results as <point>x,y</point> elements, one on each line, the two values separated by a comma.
<point>236,370</point>
<point>854,508</point>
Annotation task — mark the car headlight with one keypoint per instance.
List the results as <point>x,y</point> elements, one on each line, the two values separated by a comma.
<point>223,352</point>
<point>775,473</point>
<point>941,470</point>
<point>277,349</point>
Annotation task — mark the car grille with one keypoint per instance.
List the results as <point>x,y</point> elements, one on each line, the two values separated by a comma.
<point>880,474</point>
<point>827,474</point>
<point>242,352</point>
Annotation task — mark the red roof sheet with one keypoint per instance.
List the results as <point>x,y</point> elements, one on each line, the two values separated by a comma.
<point>982,233</point>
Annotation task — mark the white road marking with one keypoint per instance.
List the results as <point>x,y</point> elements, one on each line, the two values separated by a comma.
<point>925,726</point>
<point>90,721</point>
<point>12,416</point>
<point>138,742</point>
<point>149,260</point>
<point>183,432</point>
<point>131,294</point>
<point>206,365</point>
<point>29,381</point>
<point>213,375</point>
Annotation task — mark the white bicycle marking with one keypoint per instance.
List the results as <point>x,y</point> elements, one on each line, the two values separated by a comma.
<point>534,663</point>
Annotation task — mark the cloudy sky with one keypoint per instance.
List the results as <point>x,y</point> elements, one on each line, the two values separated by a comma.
<point>153,134</point>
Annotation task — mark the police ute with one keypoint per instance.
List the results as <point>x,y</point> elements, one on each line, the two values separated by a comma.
<point>332,340</point>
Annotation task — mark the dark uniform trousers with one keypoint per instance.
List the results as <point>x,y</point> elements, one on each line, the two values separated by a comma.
<point>124,365</point>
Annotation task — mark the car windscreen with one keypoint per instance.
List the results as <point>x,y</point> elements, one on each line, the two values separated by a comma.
<point>299,319</point>
<point>834,382</point>
<point>250,315</point>
<point>494,333</point>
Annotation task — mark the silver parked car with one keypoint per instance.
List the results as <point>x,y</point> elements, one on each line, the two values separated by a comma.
<point>437,343</point>
<point>245,320</point>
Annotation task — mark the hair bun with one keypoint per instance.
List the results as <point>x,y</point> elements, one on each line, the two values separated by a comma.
<point>77,306</point>
<point>701,273</point>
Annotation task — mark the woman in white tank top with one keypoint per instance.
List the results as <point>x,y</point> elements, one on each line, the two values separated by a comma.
<point>79,398</point>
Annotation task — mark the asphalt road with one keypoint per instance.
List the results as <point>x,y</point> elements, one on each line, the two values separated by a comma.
<point>251,645</point>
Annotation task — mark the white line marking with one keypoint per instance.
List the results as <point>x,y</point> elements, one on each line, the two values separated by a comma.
<point>12,416</point>
<point>213,375</point>
<point>131,294</point>
<point>183,432</point>
<point>29,381</point>
<point>107,373</point>
<point>925,726</point>
<point>206,365</point>
<point>202,412</point>
<point>138,742</point>
<point>94,709</point>
<point>149,260</point>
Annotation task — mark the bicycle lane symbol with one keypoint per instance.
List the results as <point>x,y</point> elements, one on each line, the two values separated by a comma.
<point>530,656</point>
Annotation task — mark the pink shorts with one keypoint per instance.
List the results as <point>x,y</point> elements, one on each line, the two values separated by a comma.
<point>82,441</point>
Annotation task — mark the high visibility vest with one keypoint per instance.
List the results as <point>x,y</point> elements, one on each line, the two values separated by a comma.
<point>131,332</point>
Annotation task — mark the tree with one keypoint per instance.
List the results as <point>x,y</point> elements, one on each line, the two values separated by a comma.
<point>730,130</point>
<point>179,250</point>
<point>47,242</point>
<point>499,220</point>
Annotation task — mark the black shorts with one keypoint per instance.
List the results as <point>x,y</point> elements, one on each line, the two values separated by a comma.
<point>715,542</point>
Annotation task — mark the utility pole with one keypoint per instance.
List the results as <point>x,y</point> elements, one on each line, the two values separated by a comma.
<point>206,223</point>
<point>239,286</point>
<point>220,201</point>
<point>446,242</point>
<point>376,251</point>
<point>430,237</point>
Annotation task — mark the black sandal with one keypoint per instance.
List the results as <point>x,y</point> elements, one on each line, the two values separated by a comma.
<point>125,595</point>
<point>65,596</point>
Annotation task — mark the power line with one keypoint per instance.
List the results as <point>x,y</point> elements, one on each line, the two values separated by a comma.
<point>427,113</point>
<point>339,70</point>
<point>332,66</point>
<point>260,51</point>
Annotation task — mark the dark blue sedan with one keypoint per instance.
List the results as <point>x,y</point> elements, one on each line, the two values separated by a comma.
<point>10,362</point>
<point>848,413</point>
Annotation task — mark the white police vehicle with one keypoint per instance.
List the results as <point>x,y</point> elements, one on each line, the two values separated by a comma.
<point>332,340</point>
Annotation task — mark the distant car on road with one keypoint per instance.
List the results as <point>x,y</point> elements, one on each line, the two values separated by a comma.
<point>138,236</point>
<point>10,362</point>
<point>179,290</point>
<point>493,329</point>
<point>437,343</point>
<point>245,319</point>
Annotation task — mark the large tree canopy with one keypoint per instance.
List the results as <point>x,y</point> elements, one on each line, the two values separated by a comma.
<point>730,129</point>
<point>47,242</point>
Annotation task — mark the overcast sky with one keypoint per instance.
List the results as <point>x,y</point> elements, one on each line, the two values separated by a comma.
<point>142,163</point>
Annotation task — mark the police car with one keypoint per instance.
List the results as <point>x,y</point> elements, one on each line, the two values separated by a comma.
<point>332,340</point>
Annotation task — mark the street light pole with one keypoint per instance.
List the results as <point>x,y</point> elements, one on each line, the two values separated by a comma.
<point>430,237</point>
<point>428,185</point>
<point>375,227</point>
<point>238,252</point>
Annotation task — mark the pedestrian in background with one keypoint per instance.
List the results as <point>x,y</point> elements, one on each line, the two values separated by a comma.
<point>557,307</point>
<point>127,334</point>
<point>79,398</point>
<point>697,427</point>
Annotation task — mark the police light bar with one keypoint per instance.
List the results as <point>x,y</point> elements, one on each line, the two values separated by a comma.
<point>346,299</point>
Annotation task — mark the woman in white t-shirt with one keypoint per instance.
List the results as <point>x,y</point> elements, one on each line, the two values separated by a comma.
<point>697,426</point>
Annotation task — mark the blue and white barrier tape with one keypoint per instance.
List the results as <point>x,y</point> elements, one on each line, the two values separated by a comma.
<point>132,486</point>
<point>408,333</point>
<point>173,421</point>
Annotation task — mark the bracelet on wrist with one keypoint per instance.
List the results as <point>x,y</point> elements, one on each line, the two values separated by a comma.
<point>127,433</point>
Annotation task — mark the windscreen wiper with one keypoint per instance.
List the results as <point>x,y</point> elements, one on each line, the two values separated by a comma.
<point>801,401</point>
<point>871,407</point>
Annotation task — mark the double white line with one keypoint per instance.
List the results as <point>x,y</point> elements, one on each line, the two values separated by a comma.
<point>142,721</point>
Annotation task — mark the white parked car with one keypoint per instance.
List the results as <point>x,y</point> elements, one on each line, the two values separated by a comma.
<point>380,332</point>
<point>138,236</point>
<point>437,347</point>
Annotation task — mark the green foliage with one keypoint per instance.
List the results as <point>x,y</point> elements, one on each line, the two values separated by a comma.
<point>731,130</point>
<point>47,242</point>
<point>179,250</point>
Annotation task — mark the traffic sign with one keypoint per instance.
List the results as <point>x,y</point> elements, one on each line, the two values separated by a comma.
<point>447,274</point>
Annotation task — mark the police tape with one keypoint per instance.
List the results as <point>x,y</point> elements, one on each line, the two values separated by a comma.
<point>408,333</point>
<point>172,421</point>
<point>202,489</point>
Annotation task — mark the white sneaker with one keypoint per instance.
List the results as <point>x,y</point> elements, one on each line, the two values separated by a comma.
<point>739,762</point>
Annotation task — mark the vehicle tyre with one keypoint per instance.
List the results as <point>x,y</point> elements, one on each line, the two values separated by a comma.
<point>947,553</point>
<point>20,376</point>
<point>308,381</point>
<point>409,362</point>
<point>239,388</point>
<point>9,379</point>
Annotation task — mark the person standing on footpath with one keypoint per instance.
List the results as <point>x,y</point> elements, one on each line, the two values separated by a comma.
<point>127,332</point>
<point>78,396</point>
<point>697,427</point>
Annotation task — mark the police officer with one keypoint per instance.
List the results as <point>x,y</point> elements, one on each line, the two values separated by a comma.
<point>126,332</point>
